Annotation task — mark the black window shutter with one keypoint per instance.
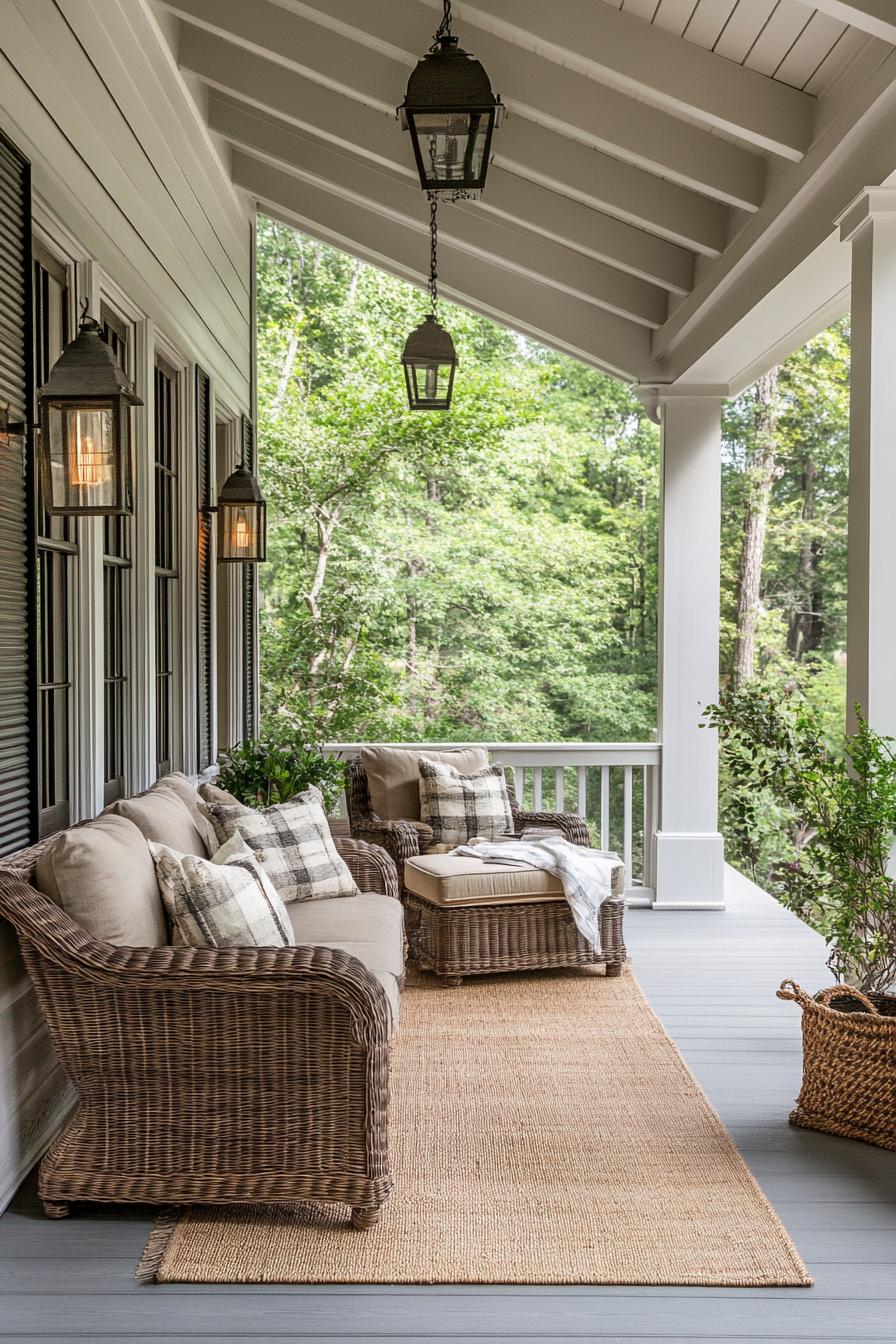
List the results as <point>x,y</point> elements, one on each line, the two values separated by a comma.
<point>206,594</point>
<point>250,603</point>
<point>18,736</point>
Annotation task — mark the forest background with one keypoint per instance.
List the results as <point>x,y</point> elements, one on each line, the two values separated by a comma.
<point>491,573</point>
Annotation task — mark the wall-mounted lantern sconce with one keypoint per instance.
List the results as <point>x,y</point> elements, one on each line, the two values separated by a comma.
<point>242,519</point>
<point>10,429</point>
<point>85,429</point>
<point>451,112</point>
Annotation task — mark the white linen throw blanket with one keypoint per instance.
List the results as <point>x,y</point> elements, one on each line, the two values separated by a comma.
<point>586,874</point>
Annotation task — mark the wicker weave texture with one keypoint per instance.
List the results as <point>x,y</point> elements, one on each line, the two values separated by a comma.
<point>849,1064</point>
<point>211,1076</point>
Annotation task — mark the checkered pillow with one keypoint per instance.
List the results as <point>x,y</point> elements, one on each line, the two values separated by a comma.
<point>457,806</point>
<point>293,844</point>
<point>224,901</point>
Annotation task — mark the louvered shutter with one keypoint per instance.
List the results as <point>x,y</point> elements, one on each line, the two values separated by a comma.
<point>205,596</point>
<point>18,757</point>
<point>250,607</point>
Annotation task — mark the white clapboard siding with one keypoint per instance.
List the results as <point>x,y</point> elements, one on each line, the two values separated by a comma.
<point>118,153</point>
<point>90,94</point>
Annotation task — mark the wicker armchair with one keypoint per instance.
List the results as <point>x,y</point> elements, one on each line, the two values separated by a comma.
<point>211,1076</point>
<point>406,839</point>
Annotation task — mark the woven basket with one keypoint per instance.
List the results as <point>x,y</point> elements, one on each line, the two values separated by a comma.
<point>849,1063</point>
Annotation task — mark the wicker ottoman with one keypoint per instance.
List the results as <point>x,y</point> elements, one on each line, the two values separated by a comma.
<point>465,917</point>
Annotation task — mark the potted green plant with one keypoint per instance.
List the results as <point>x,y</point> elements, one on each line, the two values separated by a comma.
<point>833,807</point>
<point>273,768</point>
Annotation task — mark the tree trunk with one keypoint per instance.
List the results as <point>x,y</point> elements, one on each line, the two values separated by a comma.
<point>762,473</point>
<point>806,624</point>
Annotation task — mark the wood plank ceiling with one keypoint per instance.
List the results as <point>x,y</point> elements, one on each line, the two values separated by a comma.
<point>652,151</point>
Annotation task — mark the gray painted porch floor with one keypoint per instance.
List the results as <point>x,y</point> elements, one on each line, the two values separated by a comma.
<point>711,977</point>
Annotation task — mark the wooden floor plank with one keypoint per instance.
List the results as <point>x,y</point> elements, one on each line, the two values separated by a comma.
<point>711,977</point>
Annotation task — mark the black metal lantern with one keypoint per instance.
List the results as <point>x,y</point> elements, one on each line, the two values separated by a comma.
<point>84,414</point>
<point>242,519</point>
<point>451,112</point>
<point>429,357</point>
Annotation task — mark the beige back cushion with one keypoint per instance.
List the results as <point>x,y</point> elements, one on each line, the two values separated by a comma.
<point>167,815</point>
<point>393,776</point>
<point>103,877</point>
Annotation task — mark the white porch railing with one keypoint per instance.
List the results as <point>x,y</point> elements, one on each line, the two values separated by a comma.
<point>614,786</point>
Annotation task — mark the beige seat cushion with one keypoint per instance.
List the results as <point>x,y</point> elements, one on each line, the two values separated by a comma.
<point>368,926</point>
<point>451,879</point>
<point>393,776</point>
<point>103,877</point>
<point>167,815</point>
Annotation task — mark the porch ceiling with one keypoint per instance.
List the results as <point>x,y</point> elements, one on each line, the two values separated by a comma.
<point>666,164</point>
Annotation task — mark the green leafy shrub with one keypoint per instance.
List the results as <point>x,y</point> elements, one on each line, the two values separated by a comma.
<point>836,804</point>
<point>273,769</point>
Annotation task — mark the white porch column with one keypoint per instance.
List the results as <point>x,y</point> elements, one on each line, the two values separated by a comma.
<point>689,851</point>
<point>869,224</point>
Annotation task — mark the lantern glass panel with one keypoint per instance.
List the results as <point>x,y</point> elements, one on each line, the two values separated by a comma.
<point>241,532</point>
<point>451,148</point>
<point>84,448</point>
<point>429,384</point>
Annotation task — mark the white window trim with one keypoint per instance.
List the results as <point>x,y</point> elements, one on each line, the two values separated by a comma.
<point>184,752</point>
<point>84,741</point>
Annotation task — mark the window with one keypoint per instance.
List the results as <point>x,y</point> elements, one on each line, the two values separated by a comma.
<point>57,549</point>
<point>116,613</point>
<point>205,633</point>
<point>166,562</point>
<point>249,605</point>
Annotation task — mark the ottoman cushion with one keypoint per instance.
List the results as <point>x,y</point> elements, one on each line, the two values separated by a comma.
<point>450,880</point>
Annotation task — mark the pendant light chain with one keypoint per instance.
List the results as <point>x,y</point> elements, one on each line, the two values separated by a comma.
<point>444,28</point>
<point>433,250</point>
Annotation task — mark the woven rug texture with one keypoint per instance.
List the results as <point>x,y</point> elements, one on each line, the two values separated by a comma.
<point>544,1130</point>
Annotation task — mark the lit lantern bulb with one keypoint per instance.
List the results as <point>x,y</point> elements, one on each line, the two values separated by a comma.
<point>242,535</point>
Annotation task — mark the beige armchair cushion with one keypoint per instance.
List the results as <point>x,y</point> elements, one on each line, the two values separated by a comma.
<point>103,877</point>
<point>452,879</point>
<point>167,815</point>
<point>393,776</point>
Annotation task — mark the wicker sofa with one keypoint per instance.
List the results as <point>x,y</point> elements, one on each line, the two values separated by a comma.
<point>213,1076</point>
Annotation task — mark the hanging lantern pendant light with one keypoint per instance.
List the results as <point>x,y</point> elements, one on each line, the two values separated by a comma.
<point>429,357</point>
<point>451,112</point>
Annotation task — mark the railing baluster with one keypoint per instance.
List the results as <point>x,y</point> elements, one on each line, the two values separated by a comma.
<point>559,793</point>
<point>627,820</point>
<point>582,777</point>
<point>519,776</point>
<point>605,807</point>
<point>536,788</point>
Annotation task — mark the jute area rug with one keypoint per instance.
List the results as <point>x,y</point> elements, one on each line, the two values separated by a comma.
<point>544,1129</point>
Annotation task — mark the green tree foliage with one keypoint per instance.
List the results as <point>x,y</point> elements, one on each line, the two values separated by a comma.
<point>832,804</point>
<point>489,573</point>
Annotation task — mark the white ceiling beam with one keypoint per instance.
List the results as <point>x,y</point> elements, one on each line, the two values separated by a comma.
<point>260,83</point>
<point>877,17</point>
<point>342,45</point>
<point>527,150</point>
<point>622,51</point>
<point>567,324</point>
<point>858,148</point>
<point>520,253</point>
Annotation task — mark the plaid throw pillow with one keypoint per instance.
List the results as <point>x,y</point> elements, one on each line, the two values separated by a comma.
<point>293,844</point>
<point>224,901</point>
<point>457,806</point>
